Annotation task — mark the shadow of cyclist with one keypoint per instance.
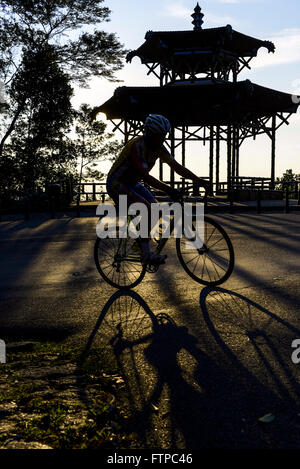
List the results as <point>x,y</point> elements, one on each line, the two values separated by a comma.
<point>181,395</point>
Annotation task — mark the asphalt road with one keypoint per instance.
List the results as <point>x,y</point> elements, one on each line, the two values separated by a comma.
<point>201,365</point>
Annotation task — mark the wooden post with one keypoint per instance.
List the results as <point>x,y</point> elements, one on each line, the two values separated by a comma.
<point>211,156</point>
<point>126,137</point>
<point>229,188</point>
<point>26,208</point>
<point>273,152</point>
<point>183,152</point>
<point>237,167</point>
<point>259,202</point>
<point>52,206</point>
<point>78,201</point>
<point>161,76</point>
<point>172,135</point>
<point>287,202</point>
<point>233,161</point>
<point>231,202</point>
<point>161,173</point>
<point>217,158</point>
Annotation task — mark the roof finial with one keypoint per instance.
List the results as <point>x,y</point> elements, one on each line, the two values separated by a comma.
<point>198,22</point>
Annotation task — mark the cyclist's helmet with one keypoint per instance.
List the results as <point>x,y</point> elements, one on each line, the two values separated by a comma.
<point>157,124</point>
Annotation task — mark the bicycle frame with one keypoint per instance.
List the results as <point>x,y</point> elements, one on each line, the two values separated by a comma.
<point>162,242</point>
<point>160,246</point>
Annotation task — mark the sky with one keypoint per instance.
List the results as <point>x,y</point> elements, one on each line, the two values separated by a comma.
<point>272,20</point>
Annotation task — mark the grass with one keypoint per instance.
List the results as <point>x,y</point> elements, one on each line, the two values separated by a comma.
<point>95,418</point>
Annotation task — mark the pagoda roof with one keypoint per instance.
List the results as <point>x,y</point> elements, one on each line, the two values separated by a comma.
<point>200,103</point>
<point>160,45</point>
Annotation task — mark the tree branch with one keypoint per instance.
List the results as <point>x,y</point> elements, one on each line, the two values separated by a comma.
<point>12,125</point>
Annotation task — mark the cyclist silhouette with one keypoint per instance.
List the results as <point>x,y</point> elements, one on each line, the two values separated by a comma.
<point>134,165</point>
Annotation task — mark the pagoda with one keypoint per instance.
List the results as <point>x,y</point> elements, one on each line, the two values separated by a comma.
<point>200,94</point>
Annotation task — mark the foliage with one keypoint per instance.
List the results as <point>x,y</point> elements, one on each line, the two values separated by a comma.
<point>93,145</point>
<point>37,149</point>
<point>66,25</point>
<point>45,47</point>
<point>288,176</point>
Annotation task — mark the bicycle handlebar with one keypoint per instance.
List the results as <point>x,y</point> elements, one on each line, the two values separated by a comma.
<point>185,191</point>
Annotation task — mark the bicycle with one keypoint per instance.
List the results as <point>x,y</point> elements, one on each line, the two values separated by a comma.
<point>120,265</point>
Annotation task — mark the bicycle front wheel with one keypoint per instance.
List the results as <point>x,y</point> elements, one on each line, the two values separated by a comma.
<point>213,262</point>
<point>118,263</point>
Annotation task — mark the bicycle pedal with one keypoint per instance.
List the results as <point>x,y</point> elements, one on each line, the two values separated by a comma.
<point>152,268</point>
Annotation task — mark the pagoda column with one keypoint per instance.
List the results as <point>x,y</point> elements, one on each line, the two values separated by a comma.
<point>229,154</point>
<point>237,167</point>
<point>217,157</point>
<point>172,142</point>
<point>183,150</point>
<point>273,151</point>
<point>161,173</point>
<point>233,159</point>
<point>126,138</point>
<point>211,155</point>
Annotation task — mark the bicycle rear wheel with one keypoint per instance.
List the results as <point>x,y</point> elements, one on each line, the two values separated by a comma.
<point>118,263</point>
<point>211,264</point>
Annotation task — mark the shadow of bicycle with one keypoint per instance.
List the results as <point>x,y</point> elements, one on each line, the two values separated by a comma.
<point>182,394</point>
<point>252,338</point>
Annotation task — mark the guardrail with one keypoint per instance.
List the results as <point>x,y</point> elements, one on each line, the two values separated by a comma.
<point>288,190</point>
<point>96,192</point>
<point>255,184</point>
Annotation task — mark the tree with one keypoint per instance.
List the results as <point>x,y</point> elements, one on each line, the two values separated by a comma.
<point>92,145</point>
<point>45,47</point>
<point>44,116</point>
<point>288,177</point>
<point>24,23</point>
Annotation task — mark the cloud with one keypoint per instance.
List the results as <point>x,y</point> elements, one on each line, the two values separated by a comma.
<point>287,44</point>
<point>296,88</point>
<point>178,10</point>
<point>237,2</point>
<point>228,1</point>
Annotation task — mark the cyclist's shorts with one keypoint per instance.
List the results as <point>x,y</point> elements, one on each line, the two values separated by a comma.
<point>136,193</point>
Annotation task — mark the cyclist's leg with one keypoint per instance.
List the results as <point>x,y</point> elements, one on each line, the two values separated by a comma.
<point>136,193</point>
<point>143,195</point>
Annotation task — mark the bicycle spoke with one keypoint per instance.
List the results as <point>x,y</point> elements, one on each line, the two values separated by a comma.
<point>197,255</point>
<point>210,236</point>
<point>221,239</point>
<point>214,263</point>
<point>196,263</point>
<point>215,270</point>
<point>112,254</point>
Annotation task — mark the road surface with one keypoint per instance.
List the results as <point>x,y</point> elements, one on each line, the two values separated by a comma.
<point>201,365</point>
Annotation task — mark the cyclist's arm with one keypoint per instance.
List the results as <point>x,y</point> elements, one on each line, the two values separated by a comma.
<point>153,182</point>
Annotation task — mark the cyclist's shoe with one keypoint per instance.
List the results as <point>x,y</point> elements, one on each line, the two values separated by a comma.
<point>152,258</point>
<point>136,247</point>
<point>156,240</point>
